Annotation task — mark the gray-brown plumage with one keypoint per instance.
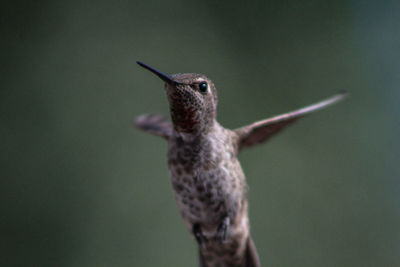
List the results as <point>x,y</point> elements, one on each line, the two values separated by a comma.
<point>207,179</point>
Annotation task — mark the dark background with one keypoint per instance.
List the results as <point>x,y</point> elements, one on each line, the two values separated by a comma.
<point>81,187</point>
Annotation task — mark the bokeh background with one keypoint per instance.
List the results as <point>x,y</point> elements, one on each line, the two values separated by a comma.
<point>81,187</point>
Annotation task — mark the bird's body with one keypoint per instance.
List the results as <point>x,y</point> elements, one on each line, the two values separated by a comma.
<point>209,187</point>
<point>207,179</point>
<point>206,176</point>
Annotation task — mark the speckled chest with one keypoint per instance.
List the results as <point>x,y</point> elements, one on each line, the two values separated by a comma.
<point>206,176</point>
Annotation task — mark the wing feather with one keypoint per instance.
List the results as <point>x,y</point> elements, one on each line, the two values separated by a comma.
<point>261,131</point>
<point>154,124</point>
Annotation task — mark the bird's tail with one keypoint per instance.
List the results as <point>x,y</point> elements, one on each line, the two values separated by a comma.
<point>250,258</point>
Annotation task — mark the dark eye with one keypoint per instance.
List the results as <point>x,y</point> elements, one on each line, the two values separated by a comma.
<point>203,87</point>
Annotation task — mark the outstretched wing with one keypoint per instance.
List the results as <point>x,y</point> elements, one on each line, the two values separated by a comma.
<point>261,131</point>
<point>154,124</point>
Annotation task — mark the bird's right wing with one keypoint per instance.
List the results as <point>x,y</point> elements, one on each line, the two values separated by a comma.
<point>154,124</point>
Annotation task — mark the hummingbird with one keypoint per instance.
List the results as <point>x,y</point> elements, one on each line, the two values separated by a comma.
<point>207,179</point>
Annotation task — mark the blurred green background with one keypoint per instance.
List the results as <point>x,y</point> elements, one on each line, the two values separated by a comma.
<point>81,187</point>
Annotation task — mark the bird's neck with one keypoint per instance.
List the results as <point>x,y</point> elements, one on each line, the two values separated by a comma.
<point>198,134</point>
<point>192,123</point>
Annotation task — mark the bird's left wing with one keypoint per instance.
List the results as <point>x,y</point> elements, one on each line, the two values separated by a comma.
<point>260,131</point>
<point>154,124</point>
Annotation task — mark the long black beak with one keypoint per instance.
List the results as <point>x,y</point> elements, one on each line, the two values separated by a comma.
<point>165,77</point>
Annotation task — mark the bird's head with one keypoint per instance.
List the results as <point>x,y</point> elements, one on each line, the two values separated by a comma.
<point>192,100</point>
